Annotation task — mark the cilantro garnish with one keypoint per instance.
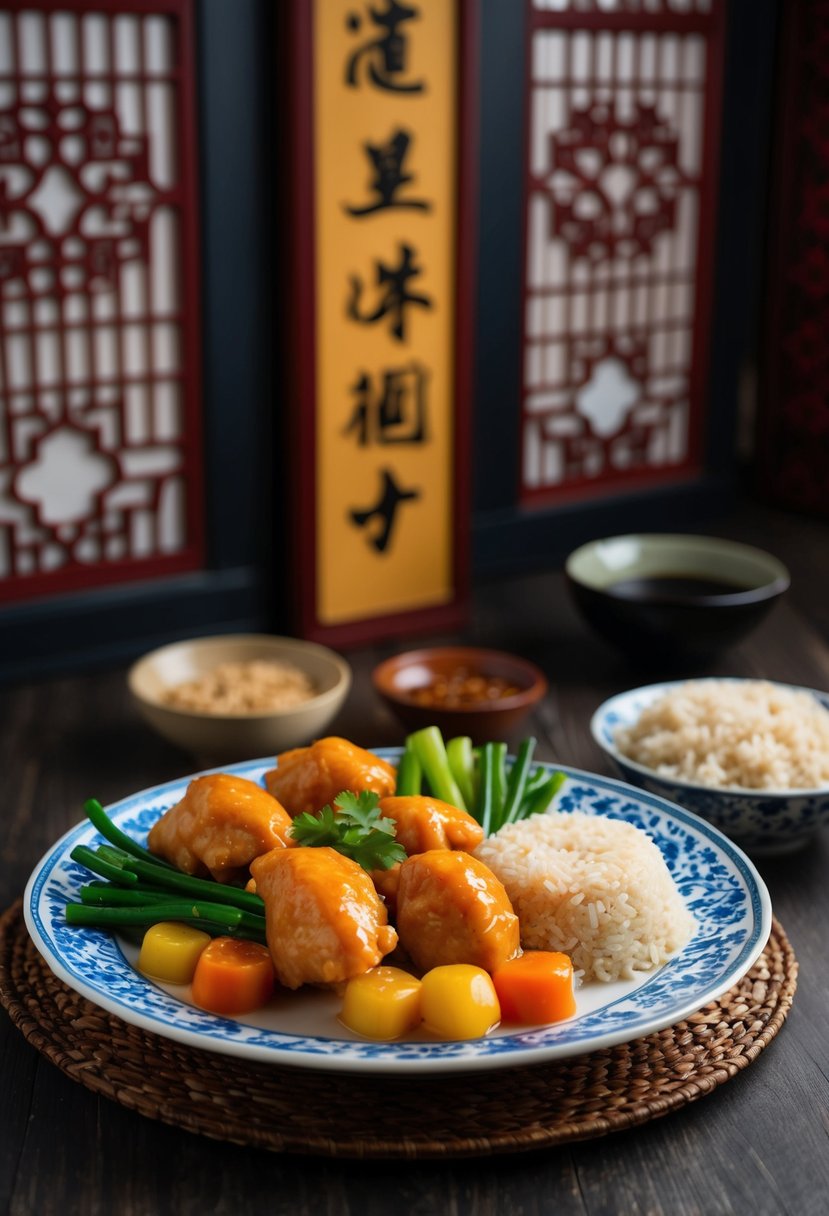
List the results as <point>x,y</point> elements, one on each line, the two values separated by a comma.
<point>355,828</point>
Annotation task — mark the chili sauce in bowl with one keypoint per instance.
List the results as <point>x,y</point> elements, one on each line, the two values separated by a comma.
<point>464,690</point>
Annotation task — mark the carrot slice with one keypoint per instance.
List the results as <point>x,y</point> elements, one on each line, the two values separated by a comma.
<point>535,988</point>
<point>233,976</point>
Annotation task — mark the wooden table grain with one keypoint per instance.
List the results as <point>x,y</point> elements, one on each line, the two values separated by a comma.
<point>759,1144</point>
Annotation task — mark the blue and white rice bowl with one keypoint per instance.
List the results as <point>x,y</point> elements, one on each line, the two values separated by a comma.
<point>763,822</point>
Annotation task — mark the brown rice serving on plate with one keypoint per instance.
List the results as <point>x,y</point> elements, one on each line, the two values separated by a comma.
<point>594,888</point>
<point>745,734</point>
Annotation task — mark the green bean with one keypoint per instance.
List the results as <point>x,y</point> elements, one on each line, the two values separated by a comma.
<point>229,920</point>
<point>517,782</point>
<point>99,865</point>
<point>174,880</point>
<point>178,909</point>
<point>462,765</point>
<point>486,788</point>
<point>99,818</point>
<point>535,779</point>
<point>250,921</point>
<point>107,895</point>
<point>539,801</point>
<point>430,750</point>
<point>499,784</point>
<point>409,775</point>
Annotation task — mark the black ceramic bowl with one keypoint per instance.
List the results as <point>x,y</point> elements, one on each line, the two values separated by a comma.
<point>670,598</point>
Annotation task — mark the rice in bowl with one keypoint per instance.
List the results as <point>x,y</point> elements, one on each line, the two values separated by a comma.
<point>594,888</point>
<point>747,734</point>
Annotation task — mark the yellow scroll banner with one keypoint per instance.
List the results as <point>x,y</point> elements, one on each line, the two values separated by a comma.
<point>385,131</point>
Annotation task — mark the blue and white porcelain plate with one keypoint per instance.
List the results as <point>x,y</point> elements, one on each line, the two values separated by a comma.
<point>717,881</point>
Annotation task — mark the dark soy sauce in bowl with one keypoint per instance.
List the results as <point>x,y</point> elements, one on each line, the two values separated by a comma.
<point>675,587</point>
<point>667,598</point>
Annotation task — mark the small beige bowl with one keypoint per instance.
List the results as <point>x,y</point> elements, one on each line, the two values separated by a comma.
<point>225,737</point>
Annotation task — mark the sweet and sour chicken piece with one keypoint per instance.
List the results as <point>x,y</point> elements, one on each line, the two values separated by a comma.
<point>324,920</point>
<point>386,883</point>
<point>307,778</point>
<point>452,909</point>
<point>423,823</point>
<point>220,825</point>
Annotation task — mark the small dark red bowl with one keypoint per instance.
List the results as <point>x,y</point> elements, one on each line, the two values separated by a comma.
<point>398,678</point>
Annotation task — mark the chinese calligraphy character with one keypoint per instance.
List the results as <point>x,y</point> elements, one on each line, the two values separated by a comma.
<point>386,55</point>
<point>388,176</point>
<point>396,413</point>
<point>385,510</point>
<point>395,296</point>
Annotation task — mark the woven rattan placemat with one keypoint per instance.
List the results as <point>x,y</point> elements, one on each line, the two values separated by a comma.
<point>304,1111</point>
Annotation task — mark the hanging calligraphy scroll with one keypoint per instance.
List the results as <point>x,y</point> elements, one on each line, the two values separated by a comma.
<point>623,114</point>
<point>382,305</point>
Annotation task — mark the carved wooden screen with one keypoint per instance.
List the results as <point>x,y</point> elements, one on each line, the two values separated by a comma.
<point>620,174</point>
<point>100,459</point>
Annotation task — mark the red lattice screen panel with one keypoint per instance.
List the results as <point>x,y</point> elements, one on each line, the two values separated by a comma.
<point>623,116</point>
<point>100,455</point>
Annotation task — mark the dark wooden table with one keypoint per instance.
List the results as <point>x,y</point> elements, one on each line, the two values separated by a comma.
<point>759,1144</point>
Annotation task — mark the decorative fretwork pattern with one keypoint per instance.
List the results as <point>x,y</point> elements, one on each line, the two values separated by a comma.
<point>619,189</point>
<point>649,8</point>
<point>98,411</point>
